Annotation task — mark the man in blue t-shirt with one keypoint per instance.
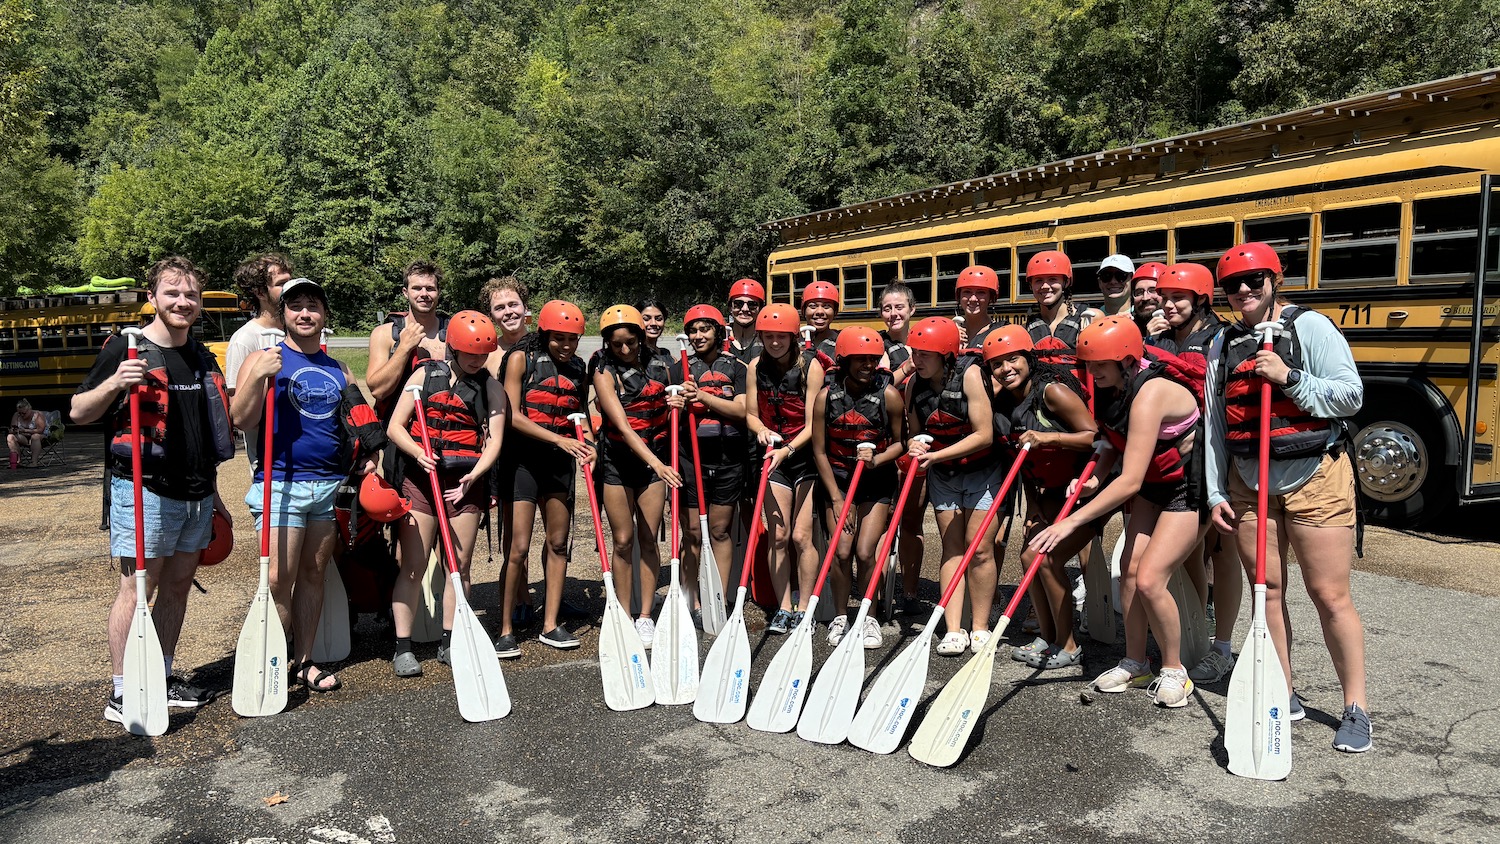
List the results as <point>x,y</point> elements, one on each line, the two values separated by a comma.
<point>309,460</point>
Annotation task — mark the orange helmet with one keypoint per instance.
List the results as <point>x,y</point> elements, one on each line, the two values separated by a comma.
<point>380,500</point>
<point>708,312</point>
<point>1111,338</point>
<point>749,288</point>
<point>934,334</point>
<point>1249,258</point>
<point>779,317</point>
<point>472,332</point>
<point>1050,262</point>
<point>1007,340</point>
<point>820,291</point>
<point>618,315</point>
<point>221,543</point>
<point>1151,269</point>
<point>558,315</point>
<point>1194,278</point>
<point>858,340</point>
<point>978,276</point>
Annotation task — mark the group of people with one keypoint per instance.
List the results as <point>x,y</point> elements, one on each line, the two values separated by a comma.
<point>777,388</point>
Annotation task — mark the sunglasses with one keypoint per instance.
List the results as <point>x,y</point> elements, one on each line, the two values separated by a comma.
<point>1112,275</point>
<point>744,305</point>
<point>1254,281</point>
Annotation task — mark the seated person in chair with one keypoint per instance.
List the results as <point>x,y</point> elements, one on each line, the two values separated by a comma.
<point>26,426</point>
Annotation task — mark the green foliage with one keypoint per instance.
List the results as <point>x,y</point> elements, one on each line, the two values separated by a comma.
<point>602,149</point>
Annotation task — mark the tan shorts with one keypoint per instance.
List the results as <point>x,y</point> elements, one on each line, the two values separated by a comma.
<point>1326,500</point>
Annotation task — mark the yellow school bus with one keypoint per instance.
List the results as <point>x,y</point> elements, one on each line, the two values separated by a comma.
<point>1375,204</point>
<point>48,343</point>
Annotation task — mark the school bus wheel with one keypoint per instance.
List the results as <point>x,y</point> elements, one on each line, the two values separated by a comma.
<point>1402,470</point>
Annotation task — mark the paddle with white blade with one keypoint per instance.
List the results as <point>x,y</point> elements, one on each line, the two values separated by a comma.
<point>144,698</point>
<point>477,679</point>
<point>941,736</point>
<point>260,670</point>
<point>622,655</point>
<point>881,722</point>
<point>835,693</point>
<point>710,580</point>
<point>674,656</point>
<point>1257,722</point>
<point>778,703</point>
<point>725,684</point>
<point>332,643</point>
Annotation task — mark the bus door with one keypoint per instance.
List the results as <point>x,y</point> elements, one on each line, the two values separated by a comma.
<point>1479,475</point>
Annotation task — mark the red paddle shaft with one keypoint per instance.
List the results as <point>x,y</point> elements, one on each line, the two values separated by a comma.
<point>1036,563</point>
<point>1263,492</point>
<point>833,541</point>
<point>438,504</point>
<point>984,525</point>
<point>755,526</point>
<point>588,482</point>
<point>676,490</point>
<point>265,467</point>
<point>137,473</point>
<point>693,439</point>
<point>891,529</point>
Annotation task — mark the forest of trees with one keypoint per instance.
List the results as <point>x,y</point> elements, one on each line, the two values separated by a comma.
<point>600,148</point>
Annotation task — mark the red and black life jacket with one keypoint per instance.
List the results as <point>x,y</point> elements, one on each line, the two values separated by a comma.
<point>456,412</point>
<point>851,419</point>
<point>156,410</point>
<point>782,399</point>
<point>1046,468</point>
<point>1294,431</point>
<point>944,413</point>
<point>551,392</point>
<point>1056,346</point>
<point>419,356</point>
<point>1193,351</point>
<point>643,395</point>
<point>896,353</point>
<point>1169,462</point>
<point>716,379</point>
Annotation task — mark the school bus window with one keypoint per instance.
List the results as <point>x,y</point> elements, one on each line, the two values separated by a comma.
<point>1444,237</point>
<point>856,287</point>
<point>999,261</point>
<point>1289,236</point>
<point>1203,244</point>
<point>781,288</point>
<point>1086,253</point>
<point>880,275</point>
<point>917,274</point>
<point>830,275</point>
<point>1359,244</point>
<point>948,268</point>
<point>1143,247</point>
<point>1023,254</point>
<point>800,281</point>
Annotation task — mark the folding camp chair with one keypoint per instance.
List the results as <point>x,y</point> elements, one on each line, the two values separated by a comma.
<point>52,443</point>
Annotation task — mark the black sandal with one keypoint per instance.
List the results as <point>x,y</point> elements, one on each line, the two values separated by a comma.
<point>317,684</point>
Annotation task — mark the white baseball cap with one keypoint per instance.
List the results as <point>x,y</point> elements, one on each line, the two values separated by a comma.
<point>1117,262</point>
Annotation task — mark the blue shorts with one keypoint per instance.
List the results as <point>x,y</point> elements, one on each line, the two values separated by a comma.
<point>971,487</point>
<point>294,503</point>
<point>172,526</point>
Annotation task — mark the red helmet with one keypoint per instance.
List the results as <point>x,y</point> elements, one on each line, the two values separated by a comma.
<point>1194,278</point>
<point>978,276</point>
<point>1111,338</point>
<point>220,544</point>
<point>749,288</point>
<point>472,332</point>
<point>820,291</point>
<point>708,312</point>
<point>778,317</point>
<point>1050,262</point>
<point>859,340</point>
<point>1007,340</point>
<point>618,315</point>
<point>558,315</point>
<point>1152,270</point>
<point>934,334</point>
<point>380,501</point>
<point>1248,258</point>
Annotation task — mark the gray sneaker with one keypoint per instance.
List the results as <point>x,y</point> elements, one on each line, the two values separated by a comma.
<point>405,665</point>
<point>1354,731</point>
<point>781,622</point>
<point>1212,668</point>
<point>1295,712</point>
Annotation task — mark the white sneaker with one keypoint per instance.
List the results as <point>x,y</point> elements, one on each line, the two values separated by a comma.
<point>1171,688</point>
<point>647,628</point>
<point>978,638</point>
<point>837,628</point>
<point>872,634</point>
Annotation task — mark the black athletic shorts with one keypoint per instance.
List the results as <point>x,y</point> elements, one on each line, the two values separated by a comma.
<point>532,471</point>
<point>723,470</point>
<point>1170,496</point>
<point>619,466</point>
<point>877,485</point>
<point>796,471</point>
